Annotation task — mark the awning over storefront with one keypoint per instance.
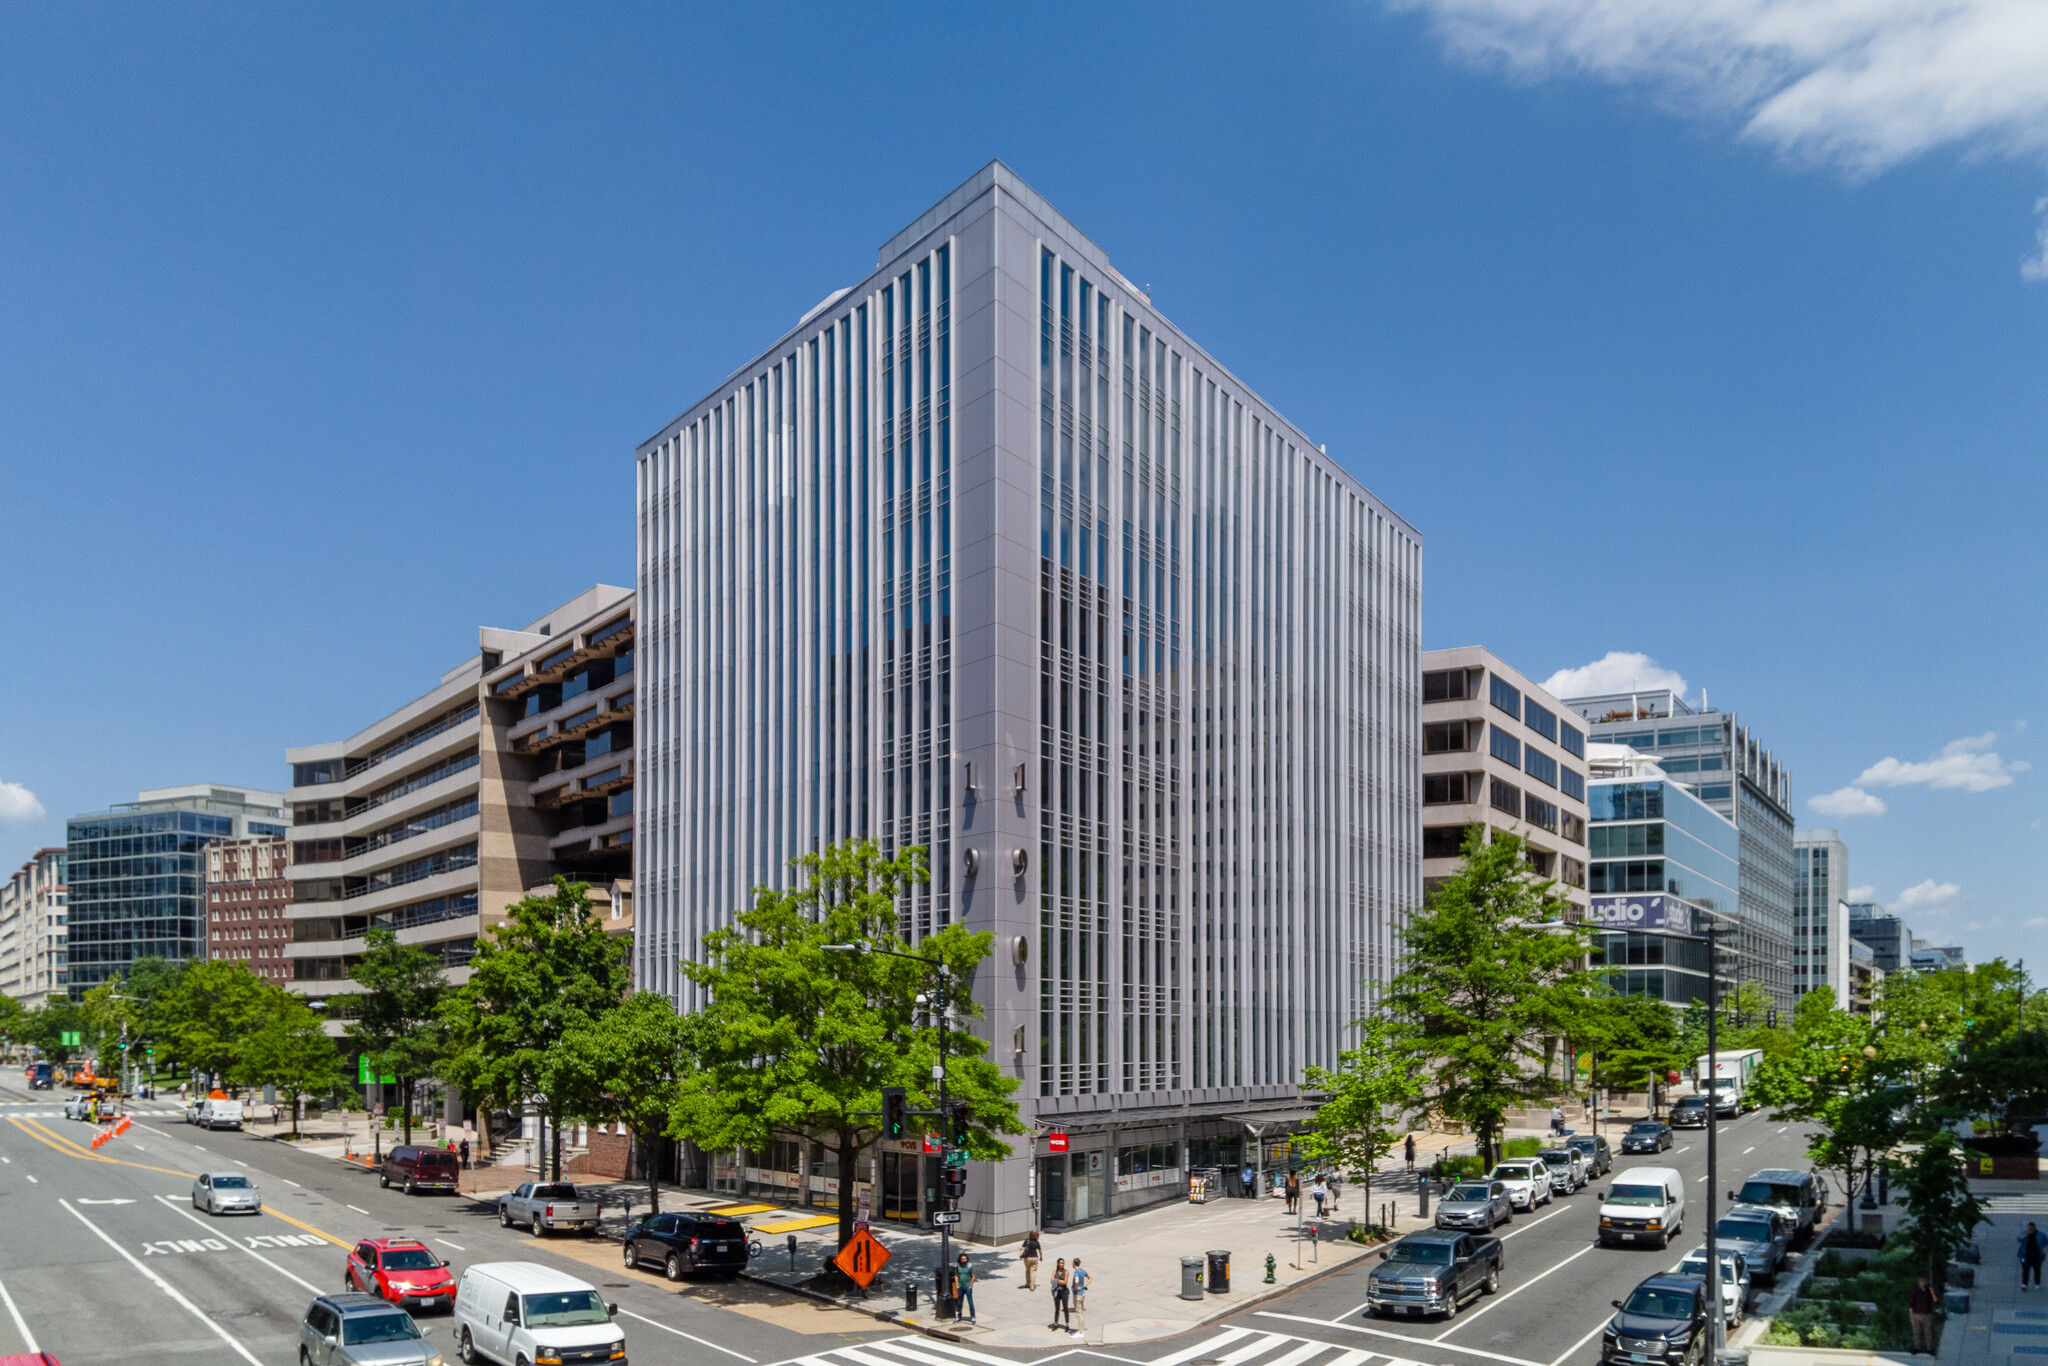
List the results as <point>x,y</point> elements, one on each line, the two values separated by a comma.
<point>1268,1120</point>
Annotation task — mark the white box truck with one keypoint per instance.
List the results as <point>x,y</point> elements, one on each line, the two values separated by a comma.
<point>1726,1076</point>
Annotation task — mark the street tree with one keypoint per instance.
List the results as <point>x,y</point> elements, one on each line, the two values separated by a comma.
<point>1365,1099</point>
<point>796,1036</point>
<point>1491,969</point>
<point>111,1018</point>
<point>1829,1075</point>
<point>292,1051</point>
<point>398,1022</point>
<point>1941,1213</point>
<point>630,1062</point>
<point>548,967</point>
<point>1638,1043</point>
<point>205,1019</point>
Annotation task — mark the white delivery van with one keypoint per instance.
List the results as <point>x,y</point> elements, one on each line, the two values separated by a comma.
<point>523,1312</point>
<point>215,1113</point>
<point>1645,1208</point>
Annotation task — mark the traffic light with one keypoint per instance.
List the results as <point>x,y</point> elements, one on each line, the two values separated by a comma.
<point>952,1183</point>
<point>961,1119</point>
<point>895,1106</point>
<point>1771,1018</point>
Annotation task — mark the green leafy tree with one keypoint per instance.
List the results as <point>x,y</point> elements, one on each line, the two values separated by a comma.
<point>207,1017</point>
<point>630,1061</point>
<point>292,1051</point>
<point>149,980</point>
<point>1941,1214</point>
<point>46,1025</point>
<point>1638,1045</point>
<point>1366,1094</point>
<point>1829,1076</point>
<point>1491,969</point>
<point>797,1037</point>
<point>398,1015</point>
<point>547,968</point>
<point>111,1017</point>
<point>12,1018</point>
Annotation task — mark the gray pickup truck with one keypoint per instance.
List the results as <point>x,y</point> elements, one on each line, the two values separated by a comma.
<point>545,1206</point>
<point>1434,1273</point>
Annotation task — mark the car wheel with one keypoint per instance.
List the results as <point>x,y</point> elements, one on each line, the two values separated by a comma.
<point>195,1202</point>
<point>504,1217</point>
<point>348,1281</point>
<point>408,1185</point>
<point>675,1267</point>
<point>1492,1285</point>
<point>632,1257</point>
<point>1451,1307</point>
<point>464,1348</point>
<point>304,1360</point>
<point>383,1181</point>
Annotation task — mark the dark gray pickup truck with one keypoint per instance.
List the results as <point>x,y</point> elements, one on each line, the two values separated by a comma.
<point>1433,1273</point>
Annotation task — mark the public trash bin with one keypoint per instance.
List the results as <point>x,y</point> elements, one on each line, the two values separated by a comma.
<point>1963,1277</point>
<point>1219,1272</point>
<point>1191,1278</point>
<point>1956,1301</point>
<point>910,1298</point>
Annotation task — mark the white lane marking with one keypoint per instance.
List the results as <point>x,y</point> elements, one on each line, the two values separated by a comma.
<point>1531,1224</point>
<point>1499,1300</point>
<point>32,1179</point>
<point>1204,1349</point>
<point>1566,1354</point>
<point>1399,1337</point>
<point>21,1324</point>
<point>83,1201</point>
<point>357,1208</point>
<point>1781,1130</point>
<point>947,1348</point>
<point>751,1361</point>
<point>1684,1147</point>
<point>8,1160</point>
<point>289,1182</point>
<point>457,1246</point>
<point>1747,1151</point>
<point>238,1162</point>
<point>160,1283</point>
<point>167,1203</point>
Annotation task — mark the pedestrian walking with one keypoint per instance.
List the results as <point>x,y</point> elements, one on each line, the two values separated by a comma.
<point>1410,1145</point>
<point>1293,1191</point>
<point>1336,1184</point>
<point>1061,1315</point>
<point>1079,1282</point>
<point>1318,1192</point>
<point>465,1152</point>
<point>1557,1120</point>
<point>2033,1247</point>
<point>1250,1180</point>
<point>963,1289</point>
<point>1031,1252</point>
<point>1920,1308</point>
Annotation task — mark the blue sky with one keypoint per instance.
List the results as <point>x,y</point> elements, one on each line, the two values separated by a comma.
<point>326,336</point>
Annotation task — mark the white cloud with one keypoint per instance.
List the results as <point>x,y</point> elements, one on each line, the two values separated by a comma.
<point>18,805</point>
<point>1847,801</point>
<point>2035,267</point>
<point>1859,84</point>
<point>2034,922</point>
<point>1862,894</point>
<point>1615,671</point>
<point>1925,897</point>
<point>1970,764</point>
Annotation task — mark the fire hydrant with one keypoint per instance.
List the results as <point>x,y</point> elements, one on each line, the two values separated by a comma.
<point>1270,1266</point>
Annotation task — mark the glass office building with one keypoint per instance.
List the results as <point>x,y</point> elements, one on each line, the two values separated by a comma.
<point>1663,866</point>
<point>986,556</point>
<point>136,874</point>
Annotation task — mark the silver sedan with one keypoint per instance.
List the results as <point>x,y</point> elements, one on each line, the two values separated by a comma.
<point>226,1193</point>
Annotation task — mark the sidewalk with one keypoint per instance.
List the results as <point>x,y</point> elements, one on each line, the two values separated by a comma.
<point>2004,1324</point>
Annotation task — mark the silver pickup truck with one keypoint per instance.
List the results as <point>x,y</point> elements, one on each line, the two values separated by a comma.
<point>545,1206</point>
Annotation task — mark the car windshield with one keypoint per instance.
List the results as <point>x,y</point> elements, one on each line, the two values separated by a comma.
<point>565,1309</point>
<point>1420,1254</point>
<point>231,1183</point>
<point>1511,1171</point>
<point>379,1328</point>
<point>1696,1265</point>
<point>1645,1128</point>
<point>410,1259</point>
<point>1653,1302</point>
<point>554,1192</point>
<point>1744,1230</point>
<point>1636,1195</point>
<point>1561,1156</point>
<point>1470,1193</point>
<point>1768,1193</point>
<point>1689,1102</point>
<point>1584,1145</point>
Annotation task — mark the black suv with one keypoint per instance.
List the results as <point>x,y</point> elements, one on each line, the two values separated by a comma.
<point>1663,1320</point>
<point>1689,1112</point>
<point>683,1243</point>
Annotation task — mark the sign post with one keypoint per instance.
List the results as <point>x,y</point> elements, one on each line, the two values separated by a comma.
<point>863,1257</point>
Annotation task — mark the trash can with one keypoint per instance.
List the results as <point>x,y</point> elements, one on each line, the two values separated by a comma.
<point>1219,1272</point>
<point>1956,1301</point>
<point>1191,1278</point>
<point>1961,1276</point>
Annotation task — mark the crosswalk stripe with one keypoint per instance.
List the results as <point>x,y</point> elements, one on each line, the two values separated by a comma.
<point>1203,1349</point>
<point>950,1350</point>
<point>1300,1354</point>
<point>860,1356</point>
<point>1258,1347</point>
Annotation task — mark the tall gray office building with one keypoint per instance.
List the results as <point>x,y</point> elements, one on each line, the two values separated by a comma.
<point>987,556</point>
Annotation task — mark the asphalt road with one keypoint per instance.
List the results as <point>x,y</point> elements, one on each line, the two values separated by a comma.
<point>103,1259</point>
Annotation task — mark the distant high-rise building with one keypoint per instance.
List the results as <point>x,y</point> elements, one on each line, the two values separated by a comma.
<point>1891,943</point>
<point>247,894</point>
<point>1820,914</point>
<point>1714,756</point>
<point>33,930</point>
<point>136,876</point>
<point>1929,957</point>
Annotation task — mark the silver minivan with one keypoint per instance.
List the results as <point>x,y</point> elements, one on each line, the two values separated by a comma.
<point>361,1330</point>
<point>511,1312</point>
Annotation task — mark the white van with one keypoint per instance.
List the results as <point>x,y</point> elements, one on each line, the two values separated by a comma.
<point>215,1113</point>
<point>1646,1207</point>
<point>523,1312</point>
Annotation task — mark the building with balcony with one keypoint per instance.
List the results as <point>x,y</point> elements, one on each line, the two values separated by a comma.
<point>985,556</point>
<point>432,820</point>
<point>1717,759</point>
<point>1501,754</point>
<point>135,874</point>
<point>1820,914</point>
<point>247,896</point>
<point>33,930</point>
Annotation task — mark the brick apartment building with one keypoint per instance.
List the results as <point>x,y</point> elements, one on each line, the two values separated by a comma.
<point>246,898</point>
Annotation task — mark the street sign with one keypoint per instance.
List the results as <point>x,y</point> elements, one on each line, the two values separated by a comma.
<point>863,1257</point>
<point>946,1216</point>
<point>1056,1142</point>
<point>931,1143</point>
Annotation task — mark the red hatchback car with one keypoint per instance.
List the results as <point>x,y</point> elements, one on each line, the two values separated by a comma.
<point>402,1270</point>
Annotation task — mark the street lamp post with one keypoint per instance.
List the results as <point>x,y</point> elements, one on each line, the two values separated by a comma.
<point>1717,1331</point>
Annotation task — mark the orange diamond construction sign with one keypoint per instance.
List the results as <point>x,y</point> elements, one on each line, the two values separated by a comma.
<point>863,1257</point>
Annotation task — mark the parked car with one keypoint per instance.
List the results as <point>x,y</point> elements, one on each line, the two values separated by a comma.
<point>1664,1320</point>
<point>1599,1156</point>
<point>1734,1280</point>
<point>1762,1236</point>
<point>361,1330</point>
<point>1646,1206</point>
<point>545,1206</point>
<point>215,1112</point>
<point>1475,1204</point>
<point>1689,1112</point>
<point>420,1169</point>
<point>226,1193</point>
<point>1527,1180</point>
<point>1433,1273</point>
<point>522,1311</point>
<point>685,1243</point>
<point>404,1271</point>
<point>1800,1196</point>
<point>1649,1136</point>
<point>1568,1170</point>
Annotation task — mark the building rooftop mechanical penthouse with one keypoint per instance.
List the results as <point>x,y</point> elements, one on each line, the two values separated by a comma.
<point>433,820</point>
